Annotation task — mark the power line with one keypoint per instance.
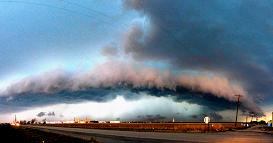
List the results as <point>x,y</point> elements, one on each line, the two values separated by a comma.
<point>44,5</point>
<point>162,28</point>
<point>87,8</point>
<point>91,10</point>
<point>75,12</point>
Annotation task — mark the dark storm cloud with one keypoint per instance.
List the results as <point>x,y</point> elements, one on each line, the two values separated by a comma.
<point>215,116</point>
<point>108,80</point>
<point>232,41</point>
<point>51,114</point>
<point>151,118</point>
<point>41,114</point>
<point>229,37</point>
<point>114,73</point>
<point>29,100</point>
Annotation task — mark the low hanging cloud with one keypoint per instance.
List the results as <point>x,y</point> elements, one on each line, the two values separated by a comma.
<point>111,74</point>
<point>217,85</point>
<point>51,114</point>
<point>146,108</point>
<point>233,38</point>
<point>225,46</point>
<point>151,118</point>
<point>115,74</point>
<point>41,114</point>
<point>229,52</point>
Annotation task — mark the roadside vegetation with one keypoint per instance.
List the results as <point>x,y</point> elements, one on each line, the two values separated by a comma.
<point>15,134</point>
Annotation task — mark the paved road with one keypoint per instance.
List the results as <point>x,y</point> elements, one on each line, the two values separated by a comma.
<point>110,136</point>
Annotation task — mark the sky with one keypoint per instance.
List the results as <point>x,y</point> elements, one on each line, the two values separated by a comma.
<point>135,60</point>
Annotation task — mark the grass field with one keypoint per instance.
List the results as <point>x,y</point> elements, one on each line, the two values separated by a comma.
<point>164,127</point>
<point>14,134</point>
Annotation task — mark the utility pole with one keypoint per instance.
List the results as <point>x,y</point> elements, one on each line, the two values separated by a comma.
<point>252,115</point>
<point>238,100</point>
<point>246,120</point>
<point>272,120</point>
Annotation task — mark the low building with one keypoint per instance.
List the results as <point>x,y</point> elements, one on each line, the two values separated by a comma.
<point>102,121</point>
<point>114,121</point>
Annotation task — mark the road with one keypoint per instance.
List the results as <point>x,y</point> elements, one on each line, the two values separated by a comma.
<point>110,136</point>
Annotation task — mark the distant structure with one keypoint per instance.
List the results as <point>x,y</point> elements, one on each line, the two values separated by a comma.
<point>101,121</point>
<point>81,121</point>
<point>15,122</point>
<point>114,121</point>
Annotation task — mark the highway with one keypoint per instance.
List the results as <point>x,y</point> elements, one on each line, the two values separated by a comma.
<point>110,136</point>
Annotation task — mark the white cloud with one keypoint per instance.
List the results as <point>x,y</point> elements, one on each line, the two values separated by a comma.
<point>117,108</point>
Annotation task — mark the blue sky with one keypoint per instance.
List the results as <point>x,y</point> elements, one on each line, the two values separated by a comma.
<point>56,52</point>
<point>43,35</point>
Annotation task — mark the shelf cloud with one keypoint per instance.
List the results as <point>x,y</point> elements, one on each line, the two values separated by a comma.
<point>120,75</point>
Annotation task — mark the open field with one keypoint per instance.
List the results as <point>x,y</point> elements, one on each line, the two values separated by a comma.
<point>158,127</point>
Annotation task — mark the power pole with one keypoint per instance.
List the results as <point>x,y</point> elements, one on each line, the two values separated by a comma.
<point>238,100</point>
<point>252,115</point>
<point>246,120</point>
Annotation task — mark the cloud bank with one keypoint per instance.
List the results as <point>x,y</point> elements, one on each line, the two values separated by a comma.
<point>111,74</point>
<point>118,75</point>
<point>233,38</point>
<point>225,47</point>
<point>148,108</point>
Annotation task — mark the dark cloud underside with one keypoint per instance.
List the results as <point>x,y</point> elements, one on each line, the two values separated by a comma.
<point>24,101</point>
<point>230,37</point>
<point>216,48</point>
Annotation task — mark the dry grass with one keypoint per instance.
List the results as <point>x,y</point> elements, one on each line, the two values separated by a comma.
<point>168,127</point>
